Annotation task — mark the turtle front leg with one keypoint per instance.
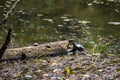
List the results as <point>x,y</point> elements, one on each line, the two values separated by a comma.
<point>72,50</point>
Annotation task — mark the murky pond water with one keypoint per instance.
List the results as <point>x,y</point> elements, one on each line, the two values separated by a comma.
<point>87,21</point>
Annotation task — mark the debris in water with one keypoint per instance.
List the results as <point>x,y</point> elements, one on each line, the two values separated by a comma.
<point>114,23</point>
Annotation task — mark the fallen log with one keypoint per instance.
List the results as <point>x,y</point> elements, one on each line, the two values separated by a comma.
<point>36,51</point>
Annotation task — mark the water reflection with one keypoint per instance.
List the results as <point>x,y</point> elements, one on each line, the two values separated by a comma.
<point>46,21</point>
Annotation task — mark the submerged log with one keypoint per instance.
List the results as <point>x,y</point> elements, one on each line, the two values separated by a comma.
<point>36,51</point>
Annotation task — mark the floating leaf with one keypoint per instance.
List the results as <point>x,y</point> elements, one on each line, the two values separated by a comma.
<point>22,30</point>
<point>4,14</point>
<point>116,10</point>
<point>114,23</point>
<point>84,22</point>
<point>49,20</point>
<point>67,20</point>
<point>89,4</point>
<point>13,0</point>
<point>7,5</point>
<point>1,6</point>
<point>63,17</point>
<point>9,2</point>
<point>39,15</point>
<point>60,25</point>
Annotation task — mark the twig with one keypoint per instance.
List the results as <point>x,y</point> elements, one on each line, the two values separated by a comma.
<point>9,12</point>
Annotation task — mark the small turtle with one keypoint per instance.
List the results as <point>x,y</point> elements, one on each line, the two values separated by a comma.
<point>76,47</point>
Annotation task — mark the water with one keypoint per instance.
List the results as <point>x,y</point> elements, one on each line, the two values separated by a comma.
<point>87,21</point>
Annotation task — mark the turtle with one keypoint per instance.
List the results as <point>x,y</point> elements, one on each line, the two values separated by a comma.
<point>76,47</point>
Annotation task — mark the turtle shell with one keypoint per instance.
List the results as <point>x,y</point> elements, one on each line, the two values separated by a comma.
<point>79,47</point>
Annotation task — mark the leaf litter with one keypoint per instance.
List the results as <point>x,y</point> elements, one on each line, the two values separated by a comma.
<point>67,67</point>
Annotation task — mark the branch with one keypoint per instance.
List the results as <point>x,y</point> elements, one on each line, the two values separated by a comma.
<point>5,44</point>
<point>9,12</point>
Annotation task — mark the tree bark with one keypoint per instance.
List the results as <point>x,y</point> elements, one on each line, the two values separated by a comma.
<point>36,51</point>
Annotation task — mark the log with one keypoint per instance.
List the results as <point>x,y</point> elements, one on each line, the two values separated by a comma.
<point>36,51</point>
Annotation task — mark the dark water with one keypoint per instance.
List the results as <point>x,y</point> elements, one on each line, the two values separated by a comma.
<point>87,21</point>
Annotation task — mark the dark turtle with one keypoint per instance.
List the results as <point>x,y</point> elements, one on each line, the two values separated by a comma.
<point>76,46</point>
